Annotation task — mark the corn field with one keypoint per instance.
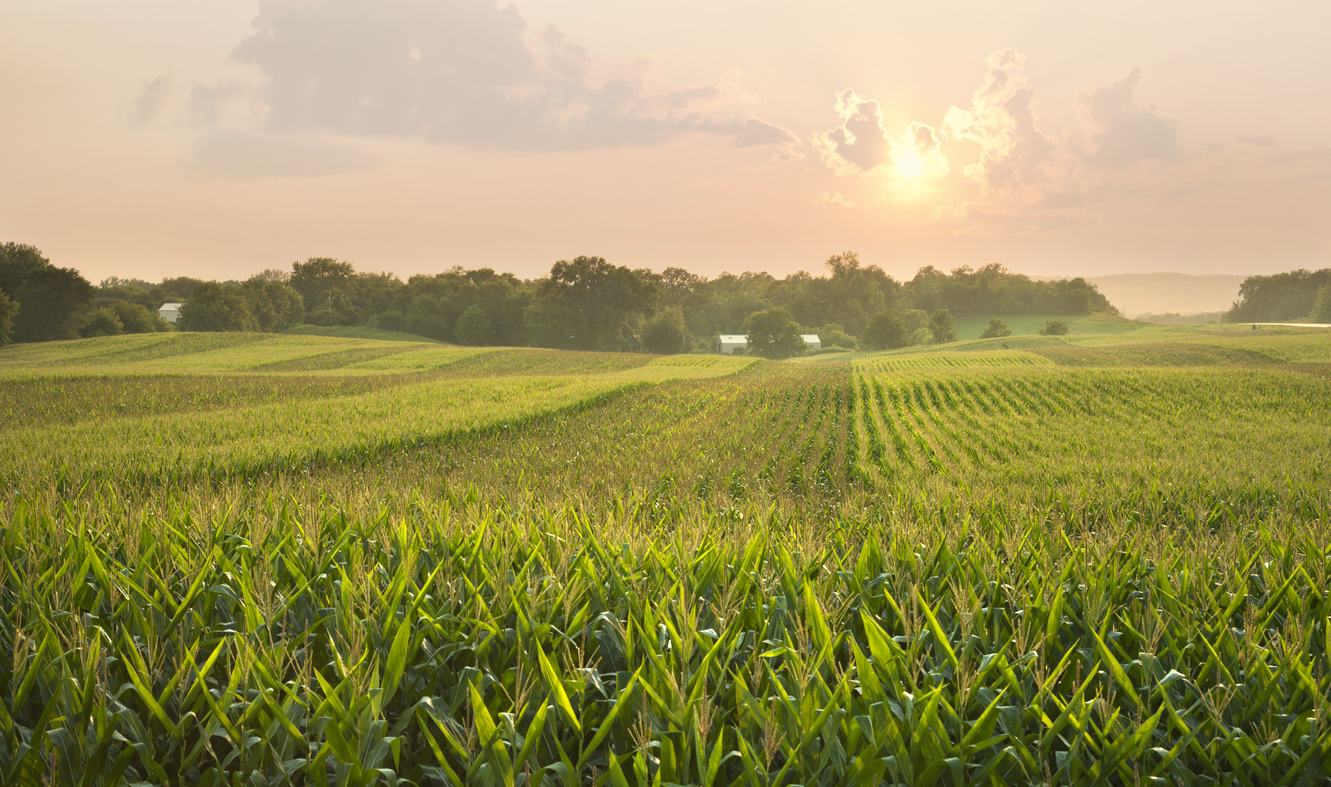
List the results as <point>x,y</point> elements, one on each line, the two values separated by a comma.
<point>523,568</point>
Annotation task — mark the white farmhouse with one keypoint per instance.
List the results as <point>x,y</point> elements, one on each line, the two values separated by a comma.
<point>170,312</point>
<point>727,344</point>
<point>813,341</point>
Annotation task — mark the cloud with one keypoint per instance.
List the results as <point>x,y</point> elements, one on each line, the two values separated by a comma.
<point>832,200</point>
<point>244,155</point>
<point>151,100</point>
<point>860,143</point>
<point>1120,133</point>
<point>1259,142</point>
<point>459,72</point>
<point>1002,121</point>
<point>754,133</point>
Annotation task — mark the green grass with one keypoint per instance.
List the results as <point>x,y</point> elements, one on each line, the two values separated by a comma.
<point>970,327</point>
<point>1095,559</point>
<point>358,332</point>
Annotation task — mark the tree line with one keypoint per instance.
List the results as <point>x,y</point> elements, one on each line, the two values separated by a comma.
<point>1294,296</point>
<point>583,304</point>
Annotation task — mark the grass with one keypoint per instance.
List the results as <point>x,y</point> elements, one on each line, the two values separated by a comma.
<point>1095,559</point>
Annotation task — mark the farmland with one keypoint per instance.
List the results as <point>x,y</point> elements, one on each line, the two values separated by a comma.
<point>298,559</point>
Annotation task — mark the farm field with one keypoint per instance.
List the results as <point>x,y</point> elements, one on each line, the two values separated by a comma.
<point>309,559</point>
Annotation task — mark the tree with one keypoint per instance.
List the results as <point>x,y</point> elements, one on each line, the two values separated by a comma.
<point>886,331</point>
<point>665,333</point>
<point>1322,306</point>
<point>1054,328</point>
<point>8,310</point>
<point>275,304</point>
<point>136,318</point>
<point>216,308</point>
<point>941,327</point>
<point>102,322</point>
<point>315,277</point>
<point>52,300</point>
<point>473,327</point>
<point>996,329</point>
<point>588,304</point>
<point>774,334</point>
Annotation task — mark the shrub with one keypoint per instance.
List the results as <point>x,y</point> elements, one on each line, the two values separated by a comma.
<point>996,329</point>
<point>1054,328</point>
<point>102,322</point>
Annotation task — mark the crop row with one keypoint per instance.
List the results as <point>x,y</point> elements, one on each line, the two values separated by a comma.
<point>478,648</point>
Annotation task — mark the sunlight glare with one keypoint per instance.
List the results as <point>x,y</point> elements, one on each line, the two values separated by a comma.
<point>909,164</point>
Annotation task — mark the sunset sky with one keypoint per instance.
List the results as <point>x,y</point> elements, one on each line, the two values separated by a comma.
<point>216,139</point>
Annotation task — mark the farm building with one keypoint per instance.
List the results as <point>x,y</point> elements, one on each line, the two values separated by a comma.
<point>727,344</point>
<point>170,312</point>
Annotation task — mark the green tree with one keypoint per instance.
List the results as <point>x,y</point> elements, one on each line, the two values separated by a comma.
<point>8,311</point>
<point>53,300</point>
<point>1322,305</point>
<point>996,329</point>
<point>102,322</point>
<point>137,318</point>
<point>588,304</point>
<point>317,276</point>
<point>473,327</point>
<point>834,335</point>
<point>941,327</point>
<point>885,331</point>
<point>665,333</point>
<point>1054,328</point>
<point>214,307</point>
<point>774,334</point>
<point>275,304</point>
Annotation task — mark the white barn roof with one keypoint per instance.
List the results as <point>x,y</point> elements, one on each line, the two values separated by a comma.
<point>733,339</point>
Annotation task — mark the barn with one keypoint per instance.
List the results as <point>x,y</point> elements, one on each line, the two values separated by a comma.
<point>727,344</point>
<point>170,312</point>
<point>813,341</point>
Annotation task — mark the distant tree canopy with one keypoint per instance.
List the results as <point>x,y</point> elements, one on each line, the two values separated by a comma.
<point>52,302</point>
<point>585,303</point>
<point>1280,297</point>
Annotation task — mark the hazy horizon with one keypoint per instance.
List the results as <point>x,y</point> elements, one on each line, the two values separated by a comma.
<point>152,139</point>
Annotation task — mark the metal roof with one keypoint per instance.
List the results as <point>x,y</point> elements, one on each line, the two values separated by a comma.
<point>732,338</point>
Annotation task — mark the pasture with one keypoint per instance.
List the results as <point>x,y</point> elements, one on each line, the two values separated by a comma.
<point>351,559</point>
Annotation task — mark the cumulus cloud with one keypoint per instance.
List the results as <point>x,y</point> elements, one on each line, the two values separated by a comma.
<point>1002,121</point>
<point>860,143</point>
<point>1121,133</point>
<point>151,100</point>
<point>460,72</point>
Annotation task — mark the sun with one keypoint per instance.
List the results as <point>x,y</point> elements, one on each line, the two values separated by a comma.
<point>909,164</point>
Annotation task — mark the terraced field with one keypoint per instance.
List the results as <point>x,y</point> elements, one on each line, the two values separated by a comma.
<point>1096,559</point>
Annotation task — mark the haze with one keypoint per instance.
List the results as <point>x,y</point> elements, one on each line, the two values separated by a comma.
<point>151,139</point>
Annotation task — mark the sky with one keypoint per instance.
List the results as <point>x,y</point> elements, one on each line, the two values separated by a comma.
<point>154,138</point>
